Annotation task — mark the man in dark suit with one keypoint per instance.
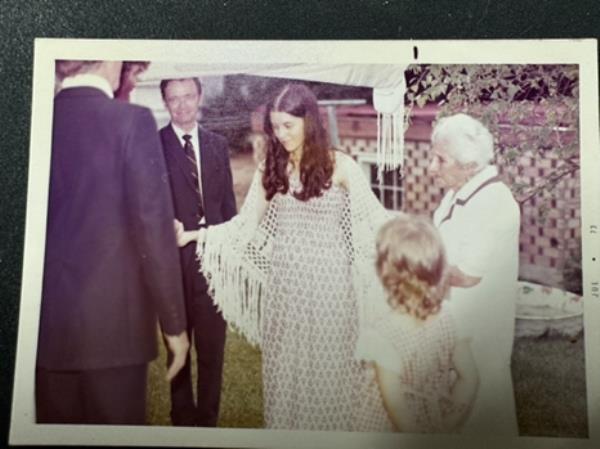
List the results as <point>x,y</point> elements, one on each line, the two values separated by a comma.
<point>201,184</point>
<point>111,262</point>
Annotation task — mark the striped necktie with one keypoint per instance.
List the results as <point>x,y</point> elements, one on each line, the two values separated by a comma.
<point>188,149</point>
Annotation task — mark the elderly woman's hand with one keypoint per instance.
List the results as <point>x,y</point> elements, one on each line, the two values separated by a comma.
<point>457,278</point>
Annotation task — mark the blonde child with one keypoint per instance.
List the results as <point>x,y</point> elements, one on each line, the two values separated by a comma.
<point>424,369</point>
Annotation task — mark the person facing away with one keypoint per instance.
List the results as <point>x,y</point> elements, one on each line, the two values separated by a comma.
<point>283,269</point>
<point>479,222</point>
<point>202,188</point>
<point>111,258</point>
<point>424,367</point>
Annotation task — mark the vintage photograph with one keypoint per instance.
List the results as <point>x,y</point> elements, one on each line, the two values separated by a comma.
<point>381,250</point>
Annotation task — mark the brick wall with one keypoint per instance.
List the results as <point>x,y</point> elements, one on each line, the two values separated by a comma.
<point>546,243</point>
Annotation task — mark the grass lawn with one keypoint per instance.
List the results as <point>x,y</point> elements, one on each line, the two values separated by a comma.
<point>241,394</point>
<point>550,391</point>
<point>548,374</point>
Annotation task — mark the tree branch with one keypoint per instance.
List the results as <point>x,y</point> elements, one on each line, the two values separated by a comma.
<point>553,179</point>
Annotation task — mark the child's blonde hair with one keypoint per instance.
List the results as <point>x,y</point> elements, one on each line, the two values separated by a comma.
<point>411,263</point>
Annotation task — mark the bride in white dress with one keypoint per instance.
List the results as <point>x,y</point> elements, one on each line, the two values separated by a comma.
<point>294,272</point>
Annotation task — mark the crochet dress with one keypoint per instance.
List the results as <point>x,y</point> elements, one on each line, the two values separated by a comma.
<point>302,285</point>
<point>310,324</point>
<point>422,359</point>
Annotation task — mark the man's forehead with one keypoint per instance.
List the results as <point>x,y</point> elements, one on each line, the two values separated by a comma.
<point>181,84</point>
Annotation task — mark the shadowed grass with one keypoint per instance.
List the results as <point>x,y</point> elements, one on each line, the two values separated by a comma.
<point>241,398</point>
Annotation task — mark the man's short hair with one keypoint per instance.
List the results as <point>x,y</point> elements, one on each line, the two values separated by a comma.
<point>165,83</point>
<point>65,68</point>
<point>466,139</point>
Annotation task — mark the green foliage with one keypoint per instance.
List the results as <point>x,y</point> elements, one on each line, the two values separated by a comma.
<point>531,110</point>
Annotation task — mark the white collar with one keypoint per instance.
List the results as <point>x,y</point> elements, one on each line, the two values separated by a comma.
<point>180,132</point>
<point>488,172</point>
<point>88,80</point>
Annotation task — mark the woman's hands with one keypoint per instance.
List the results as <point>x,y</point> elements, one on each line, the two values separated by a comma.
<point>182,236</point>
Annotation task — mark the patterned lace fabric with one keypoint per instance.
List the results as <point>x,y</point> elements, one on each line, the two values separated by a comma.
<point>301,284</point>
<point>422,357</point>
<point>310,322</point>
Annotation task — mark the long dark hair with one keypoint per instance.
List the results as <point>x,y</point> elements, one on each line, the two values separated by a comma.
<point>316,165</point>
<point>127,82</point>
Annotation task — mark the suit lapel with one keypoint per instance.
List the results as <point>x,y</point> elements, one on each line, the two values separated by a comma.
<point>209,167</point>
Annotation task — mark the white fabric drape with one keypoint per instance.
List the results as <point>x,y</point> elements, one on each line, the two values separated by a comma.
<point>367,75</point>
<point>389,104</point>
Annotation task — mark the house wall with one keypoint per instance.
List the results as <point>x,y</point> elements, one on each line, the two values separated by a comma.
<point>545,244</point>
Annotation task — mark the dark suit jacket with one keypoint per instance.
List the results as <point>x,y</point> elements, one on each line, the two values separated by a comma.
<point>217,189</point>
<point>111,260</point>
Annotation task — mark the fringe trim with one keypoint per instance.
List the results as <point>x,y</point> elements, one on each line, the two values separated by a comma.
<point>236,291</point>
<point>235,259</point>
<point>367,215</point>
<point>390,142</point>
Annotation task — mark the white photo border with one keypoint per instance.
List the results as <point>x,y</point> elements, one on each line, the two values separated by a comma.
<point>23,429</point>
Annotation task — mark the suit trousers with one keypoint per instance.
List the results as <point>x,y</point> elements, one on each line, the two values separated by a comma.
<point>207,329</point>
<point>98,396</point>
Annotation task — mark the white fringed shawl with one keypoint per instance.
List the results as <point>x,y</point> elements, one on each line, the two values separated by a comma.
<point>235,256</point>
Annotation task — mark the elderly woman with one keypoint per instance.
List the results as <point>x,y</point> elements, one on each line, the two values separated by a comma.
<point>479,221</point>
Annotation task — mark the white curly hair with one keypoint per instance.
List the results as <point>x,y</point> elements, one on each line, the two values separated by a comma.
<point>465,138</point>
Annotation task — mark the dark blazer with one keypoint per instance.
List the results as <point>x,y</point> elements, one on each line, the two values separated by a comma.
<point>218,197</point>
<point>111,262</point>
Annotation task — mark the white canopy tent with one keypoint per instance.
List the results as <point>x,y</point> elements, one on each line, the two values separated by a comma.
<point>383,76</point>
<point>386,80</point>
